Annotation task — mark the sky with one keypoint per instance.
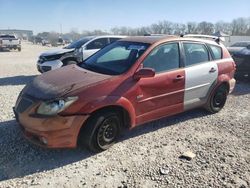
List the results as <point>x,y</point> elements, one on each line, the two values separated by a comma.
<point>54,15</point>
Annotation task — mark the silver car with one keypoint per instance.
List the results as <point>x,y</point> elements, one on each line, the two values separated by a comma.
<point>74,53</point>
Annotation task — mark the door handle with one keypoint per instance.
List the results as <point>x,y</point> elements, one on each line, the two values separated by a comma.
<point>179,77</point>
<point>212,70</point>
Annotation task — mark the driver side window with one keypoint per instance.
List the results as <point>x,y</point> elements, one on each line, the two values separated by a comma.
<point>163,58</point>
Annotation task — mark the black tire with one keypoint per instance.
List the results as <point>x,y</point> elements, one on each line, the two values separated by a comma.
<point>218,99</point>
<point>101,131</point>
<point>69,62</point>
<point>19,49</point>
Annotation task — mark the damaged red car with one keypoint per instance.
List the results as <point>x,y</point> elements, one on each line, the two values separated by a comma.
<point>130,82</point>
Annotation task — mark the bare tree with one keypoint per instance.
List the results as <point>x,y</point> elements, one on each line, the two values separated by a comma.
<point>192,27</point>
<point>205,28</point>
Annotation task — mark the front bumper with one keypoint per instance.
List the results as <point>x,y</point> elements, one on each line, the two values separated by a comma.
<point>48,65</point>
<point>50,131</point>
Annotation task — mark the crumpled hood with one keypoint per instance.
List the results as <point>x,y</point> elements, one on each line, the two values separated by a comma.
<point>57,51</point>
<point>59,82</point>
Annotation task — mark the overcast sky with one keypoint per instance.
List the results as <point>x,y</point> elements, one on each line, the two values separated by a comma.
<point>48,15</point>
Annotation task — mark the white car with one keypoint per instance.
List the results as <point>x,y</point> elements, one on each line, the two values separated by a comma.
<point>74,53</point>
<point>10,42</point>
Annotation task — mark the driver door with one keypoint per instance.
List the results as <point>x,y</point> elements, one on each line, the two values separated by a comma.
<point>163,94</point>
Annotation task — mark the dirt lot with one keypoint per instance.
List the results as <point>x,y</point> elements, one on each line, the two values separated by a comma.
<point>145,157</point>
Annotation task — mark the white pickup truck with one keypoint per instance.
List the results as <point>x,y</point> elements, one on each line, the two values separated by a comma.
<point>10,42</point>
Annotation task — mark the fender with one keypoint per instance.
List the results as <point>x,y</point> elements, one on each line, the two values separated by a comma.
<point>107,101</point>
<point>223,78</point>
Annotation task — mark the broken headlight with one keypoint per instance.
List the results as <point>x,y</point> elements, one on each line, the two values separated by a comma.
<point>55,106</point>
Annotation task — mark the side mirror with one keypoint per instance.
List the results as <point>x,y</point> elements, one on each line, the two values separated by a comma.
<point>144,73</point>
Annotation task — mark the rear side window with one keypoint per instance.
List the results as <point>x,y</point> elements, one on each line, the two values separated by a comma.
<point>113,39</point>
<point>216,51</point>
<point>97,44</point>
<point>195,53</point>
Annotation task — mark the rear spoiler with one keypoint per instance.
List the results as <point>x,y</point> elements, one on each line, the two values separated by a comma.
<point>215,38</point>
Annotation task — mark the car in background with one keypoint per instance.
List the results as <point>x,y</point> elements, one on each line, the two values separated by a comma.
<point>127,83</point>
<point>45,42</point>
<point>10,42</point>
<point>37,40</point>
<point>240,52</point>
<point>74,53</point>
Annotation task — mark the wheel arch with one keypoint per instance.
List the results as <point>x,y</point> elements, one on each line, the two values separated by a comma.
<point>126,119</point>
<point>69,59</point>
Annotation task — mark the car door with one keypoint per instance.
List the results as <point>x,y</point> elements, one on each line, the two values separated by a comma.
<point>162,94</point>
<point>201,74</point>
<point>94,46</point>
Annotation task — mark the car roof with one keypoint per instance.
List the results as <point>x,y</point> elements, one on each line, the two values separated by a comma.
<point>165,38</point>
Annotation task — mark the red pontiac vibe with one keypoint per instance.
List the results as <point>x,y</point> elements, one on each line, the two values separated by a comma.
<point>130,82</point>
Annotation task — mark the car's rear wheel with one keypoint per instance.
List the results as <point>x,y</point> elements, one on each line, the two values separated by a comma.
<point>101,131</point>
<point>218,99</point>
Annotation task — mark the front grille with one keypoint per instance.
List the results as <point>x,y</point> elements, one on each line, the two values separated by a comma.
<point>23,105</point>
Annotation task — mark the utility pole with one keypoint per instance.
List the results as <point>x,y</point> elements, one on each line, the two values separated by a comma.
<point>61,29</point>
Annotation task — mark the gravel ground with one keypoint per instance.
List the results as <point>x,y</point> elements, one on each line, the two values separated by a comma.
<point>148,156</point>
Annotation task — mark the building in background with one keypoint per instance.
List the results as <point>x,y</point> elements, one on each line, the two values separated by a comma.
<point>22,34</point>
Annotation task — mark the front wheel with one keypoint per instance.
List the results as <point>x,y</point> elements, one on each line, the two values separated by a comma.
<point>69,62</point>
<point>101,131</point>
<point>218,99</point>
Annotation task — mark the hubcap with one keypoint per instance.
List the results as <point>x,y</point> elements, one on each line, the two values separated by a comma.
<point>107,132</point>
<point>219,99</point>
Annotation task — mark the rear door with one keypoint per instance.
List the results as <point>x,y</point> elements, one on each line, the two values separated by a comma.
<point>201,73</point>
<point>162,94</point>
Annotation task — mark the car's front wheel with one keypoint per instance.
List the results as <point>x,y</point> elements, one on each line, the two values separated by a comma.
<point>70,62</point>
<point>218,99</point>
<point>101,131</point>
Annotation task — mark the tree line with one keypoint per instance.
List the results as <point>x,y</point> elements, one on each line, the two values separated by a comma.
<point>237,27</point>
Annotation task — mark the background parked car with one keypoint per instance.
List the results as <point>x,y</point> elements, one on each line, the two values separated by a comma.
<point>240,51</point>
<point>10,42</point>
<point>74,53</point>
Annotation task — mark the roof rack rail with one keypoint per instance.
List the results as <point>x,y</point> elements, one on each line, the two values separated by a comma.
<point>154,34</point>
<point>215,38</point>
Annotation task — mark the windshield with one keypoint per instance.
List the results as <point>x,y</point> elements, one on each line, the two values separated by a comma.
<point>116,58</point>
<point>77,44</point>
<point>241,44</point>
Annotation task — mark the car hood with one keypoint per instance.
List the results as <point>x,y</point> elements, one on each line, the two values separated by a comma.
<point>59,82</point>
<point>235,49</point>
<point>57,51</point>
<point>239,51</point>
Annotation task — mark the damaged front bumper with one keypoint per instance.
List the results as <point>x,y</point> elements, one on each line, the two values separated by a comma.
<point>48,131</point>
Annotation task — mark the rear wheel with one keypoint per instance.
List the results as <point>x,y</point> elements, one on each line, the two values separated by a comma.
<point>101,131</point>
<point>19,49</point>
<point>218,99</point>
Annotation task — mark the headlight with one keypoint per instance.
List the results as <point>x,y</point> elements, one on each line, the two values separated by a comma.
<point>56,106</point>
